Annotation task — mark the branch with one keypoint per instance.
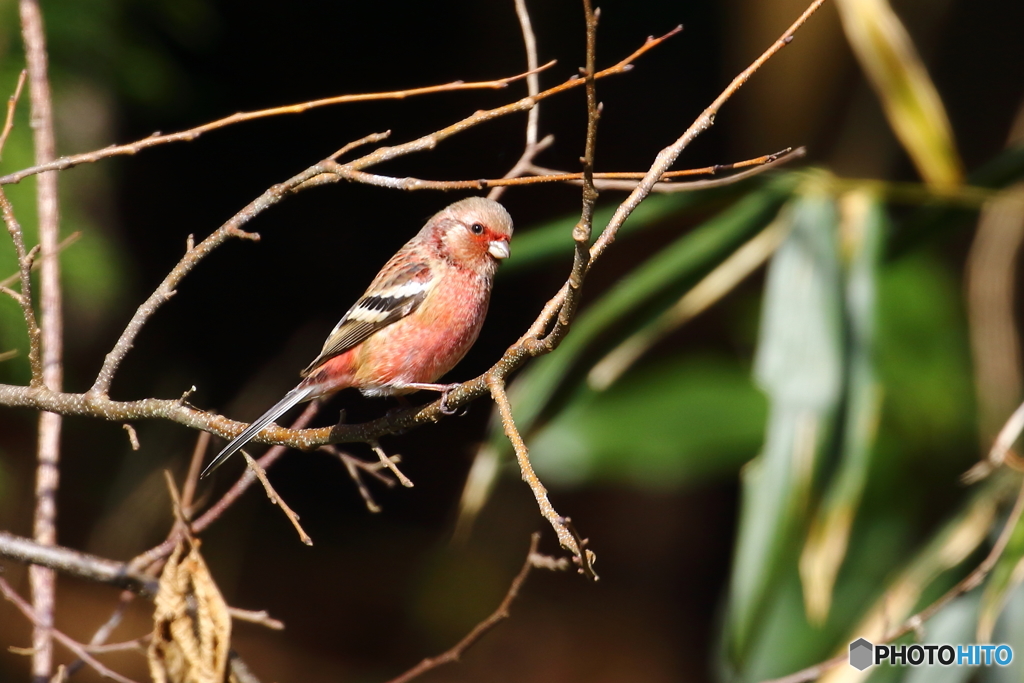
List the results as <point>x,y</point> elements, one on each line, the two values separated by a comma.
<point>193,133</point>
<point>48,447</point>
<point>533,147</point>
<point>499,615</point>
<point>82,565</point>
<point>12,102</point>
<point>77,648</point>
<point>25,262</point>
<point>276,498</point>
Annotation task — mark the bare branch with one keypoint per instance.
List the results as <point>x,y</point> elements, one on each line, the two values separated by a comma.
<point>74,562</point>
<point>193,133</point>
<point>25,262</point>
<point>12,102</point>
<point>77,648</point>
<point>355,465</point>
<point>51,319</point>
<point>533,147</point>
<point>565,537</point>
<point>276,499</point>
<point>500,614</point>
<point>253,617</point>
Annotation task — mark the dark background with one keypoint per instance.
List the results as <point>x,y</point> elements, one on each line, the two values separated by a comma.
<point>376,593</point>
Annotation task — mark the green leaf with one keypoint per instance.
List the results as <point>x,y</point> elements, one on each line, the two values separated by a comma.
<point>675,421</point>
<point>657,280</point>
<point>864,221</point>
<point>554,239</point>
<point>1005,577</point>
<point>912,104</point>
<point>799,364</point>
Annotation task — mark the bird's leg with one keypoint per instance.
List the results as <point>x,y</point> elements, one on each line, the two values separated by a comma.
<point>444,389</point>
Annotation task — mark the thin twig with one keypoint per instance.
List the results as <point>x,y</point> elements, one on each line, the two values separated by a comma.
<point>64,244</point>
<point>624,182</point>
<point>105,631</point>
<point>25,263</point>
<point>193,133</point>
<point>77,648</point>
<point>617,180</point>
<point>133,437</point>
<point>355,465</point>
<point>565,537</point>
<point>213,513</point>
<point>355,144</point>
<point>260,617</point>
<point>533,147</point>
<point>195,466</point>
<point>276,499</point>
<point>12,102</point>
<point>41,579</point>
<point>389,463</point>
<point>455,653</point>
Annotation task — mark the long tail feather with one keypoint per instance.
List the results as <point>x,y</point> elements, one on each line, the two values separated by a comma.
<point>293,397</point>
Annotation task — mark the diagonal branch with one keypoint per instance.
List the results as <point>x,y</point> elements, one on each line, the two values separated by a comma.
<point>193,133</point>
<point>533,559</point>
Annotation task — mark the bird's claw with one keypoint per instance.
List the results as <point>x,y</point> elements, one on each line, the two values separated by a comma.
<point>445,408</point>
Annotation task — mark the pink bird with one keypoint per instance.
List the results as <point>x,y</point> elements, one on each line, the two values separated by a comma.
<point>419,317</point>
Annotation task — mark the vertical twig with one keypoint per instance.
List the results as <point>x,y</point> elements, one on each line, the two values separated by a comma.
<point>533,147</point>
<point>581,234</point>
<point>25,260</point>
<point>48,454</point>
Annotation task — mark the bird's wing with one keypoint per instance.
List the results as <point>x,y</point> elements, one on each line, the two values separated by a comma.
<point>397,291</point>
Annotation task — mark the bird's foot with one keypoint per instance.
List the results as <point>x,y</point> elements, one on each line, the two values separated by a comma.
<point>444,389</point>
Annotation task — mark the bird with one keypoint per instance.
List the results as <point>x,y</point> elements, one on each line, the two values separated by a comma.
<point>417,319</point>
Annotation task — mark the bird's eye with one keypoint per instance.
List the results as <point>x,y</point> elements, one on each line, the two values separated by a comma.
<point>477,229</point>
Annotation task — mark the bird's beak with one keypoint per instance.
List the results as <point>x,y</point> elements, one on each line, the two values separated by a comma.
<point>498,249</point>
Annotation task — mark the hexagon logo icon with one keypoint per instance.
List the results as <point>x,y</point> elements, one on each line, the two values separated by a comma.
<point>860,654</point>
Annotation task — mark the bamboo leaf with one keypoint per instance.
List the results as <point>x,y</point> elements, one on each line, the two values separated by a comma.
<point>799,366</point>
<point>911,102</point>
<point>829,535</point>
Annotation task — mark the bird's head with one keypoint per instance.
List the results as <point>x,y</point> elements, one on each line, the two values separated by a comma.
<point>473,232</point>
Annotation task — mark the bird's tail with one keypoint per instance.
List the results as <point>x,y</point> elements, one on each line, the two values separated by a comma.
<point>297,395</point>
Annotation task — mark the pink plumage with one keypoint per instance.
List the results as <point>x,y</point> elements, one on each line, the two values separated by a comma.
<point>421,314</point>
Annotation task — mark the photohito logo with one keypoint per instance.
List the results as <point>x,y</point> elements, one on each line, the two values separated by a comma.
<point>864,654</point>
